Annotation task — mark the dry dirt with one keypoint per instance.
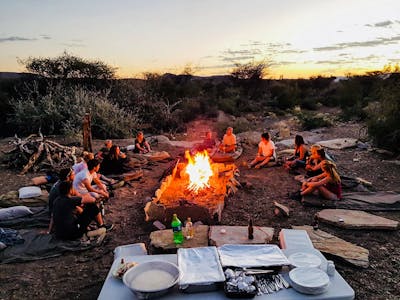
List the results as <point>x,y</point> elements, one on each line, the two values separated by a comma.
<point>81,275</point>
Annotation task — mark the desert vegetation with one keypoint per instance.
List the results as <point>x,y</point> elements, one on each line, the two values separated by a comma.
<point>56,93</point>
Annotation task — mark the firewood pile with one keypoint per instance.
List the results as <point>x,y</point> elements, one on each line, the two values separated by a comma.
<point>37,153</point>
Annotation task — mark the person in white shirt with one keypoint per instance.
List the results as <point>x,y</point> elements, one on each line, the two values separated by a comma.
<point>83,181</point>
<point>266,152</point>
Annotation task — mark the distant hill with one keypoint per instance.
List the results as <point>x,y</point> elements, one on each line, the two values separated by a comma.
<point>14,75</point>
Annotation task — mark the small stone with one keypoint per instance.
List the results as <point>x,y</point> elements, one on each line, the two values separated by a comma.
<point>159,225</point>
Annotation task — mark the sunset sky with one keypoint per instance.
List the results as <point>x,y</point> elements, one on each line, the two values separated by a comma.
<point>297,38</point>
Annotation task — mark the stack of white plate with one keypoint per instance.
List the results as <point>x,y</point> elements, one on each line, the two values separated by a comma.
<point>309,280</point>
<point>303,259</point>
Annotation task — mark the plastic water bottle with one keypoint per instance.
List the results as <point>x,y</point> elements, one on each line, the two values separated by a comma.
<point>176,225</point>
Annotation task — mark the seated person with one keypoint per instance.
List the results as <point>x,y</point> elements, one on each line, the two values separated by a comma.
<point>141,145</point>
<point>65,175</point>
<point>228,143</point>
<point>300,154</point>
<point>266,152</point>
<point>113,162</point>
<point>327,185</point>
<point>207,144</point>
<point>105,150</point>
<point>82,165</point>
<point>70,224</point>
<point>313,165</point>
<point>83,181</point>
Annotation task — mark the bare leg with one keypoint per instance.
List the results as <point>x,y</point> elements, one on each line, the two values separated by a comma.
<point>327,194</point>
<point>256,160</point>
<point>263,163</point>
<point>99,219</point>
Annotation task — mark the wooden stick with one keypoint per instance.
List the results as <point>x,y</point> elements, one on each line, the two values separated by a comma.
<point>33,159</point>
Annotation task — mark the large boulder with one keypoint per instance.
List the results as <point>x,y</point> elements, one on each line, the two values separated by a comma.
<point>251,138</point>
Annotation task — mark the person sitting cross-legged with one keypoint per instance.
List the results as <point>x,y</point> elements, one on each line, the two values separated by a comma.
<point>266,152</point>
<point>83,181</point>
<point>228,143</point>
<point>70,223</point>
<point>141,145</point>
<point>327,185</point>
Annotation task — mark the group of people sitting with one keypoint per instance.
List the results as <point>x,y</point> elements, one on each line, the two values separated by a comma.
<point>76,199</point>
<point>322,177</point>
<point>321,174</point>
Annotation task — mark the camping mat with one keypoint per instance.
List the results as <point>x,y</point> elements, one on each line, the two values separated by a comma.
<point>39,219</point>
<point>39,246</point>
<point>367,201</point>
<point>11,199</point>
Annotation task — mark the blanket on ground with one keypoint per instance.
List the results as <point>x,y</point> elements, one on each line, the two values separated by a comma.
<point>39,219</point>
<point>39,246</point>
<point>367,201</point>
<point>11,199</point>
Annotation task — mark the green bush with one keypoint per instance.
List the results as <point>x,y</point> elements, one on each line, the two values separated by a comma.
<point>61,110</point>
<point>384,116</point>
<point>311,121</point>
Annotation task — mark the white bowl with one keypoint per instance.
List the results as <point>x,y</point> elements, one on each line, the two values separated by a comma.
<point>151,279</point>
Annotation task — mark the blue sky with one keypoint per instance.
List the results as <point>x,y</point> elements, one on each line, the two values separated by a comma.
<point>297,38</point>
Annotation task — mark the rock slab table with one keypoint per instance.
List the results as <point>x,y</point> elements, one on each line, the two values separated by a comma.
<point>221,235</point>
<point>333,245</point>
<point>354,219</point>
<point>164,238</point>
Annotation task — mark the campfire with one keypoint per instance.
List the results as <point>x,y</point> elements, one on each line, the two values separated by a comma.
<point>199,171</point>
<point>196,188</point>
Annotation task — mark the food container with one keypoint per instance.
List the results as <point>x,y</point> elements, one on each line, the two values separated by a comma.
<point>252,256</point>
<point>200,269</point>
<point>151,279</point>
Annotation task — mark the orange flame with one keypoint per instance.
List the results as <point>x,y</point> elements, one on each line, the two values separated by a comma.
<point>199,170</point>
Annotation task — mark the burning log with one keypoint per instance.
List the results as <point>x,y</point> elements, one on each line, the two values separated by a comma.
<point>195,189</point>
<point>38,153</point>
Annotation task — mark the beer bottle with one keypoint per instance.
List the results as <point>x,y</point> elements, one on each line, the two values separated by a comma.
<point>176,225</point>
<point>250,230</point>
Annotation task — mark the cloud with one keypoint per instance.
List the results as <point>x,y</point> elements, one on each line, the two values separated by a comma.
<point>387,23</point>
<point>283,63</point>
<point>371,43</point>
<point>237,58</point>
<point>16,39</point>
<point>292,51</point>
<point>242,52</point>
<point>222,66</point>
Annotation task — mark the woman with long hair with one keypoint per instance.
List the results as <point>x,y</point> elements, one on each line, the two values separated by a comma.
<point>300,154</point>
<point>327,185</point>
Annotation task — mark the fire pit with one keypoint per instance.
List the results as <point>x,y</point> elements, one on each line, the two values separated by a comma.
<point>196,188</point>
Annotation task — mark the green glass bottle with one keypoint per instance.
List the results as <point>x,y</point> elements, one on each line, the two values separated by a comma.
<point>176,225</point>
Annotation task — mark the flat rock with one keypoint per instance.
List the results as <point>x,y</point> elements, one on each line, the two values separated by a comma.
<point>282,209</point>
<point>354,219</point>
<point>221,235</point>
<point>335,246</point>
<point>339,143</point>
<point>164,238</point>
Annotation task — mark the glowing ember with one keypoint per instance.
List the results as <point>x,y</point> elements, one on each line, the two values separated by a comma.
<point>199,170</point>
